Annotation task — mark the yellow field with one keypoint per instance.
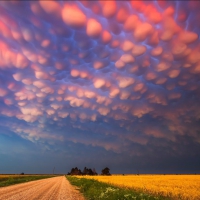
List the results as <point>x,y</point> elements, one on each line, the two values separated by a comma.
<point>180,187</point>
<point>10,175</point>
<point>18,175</point>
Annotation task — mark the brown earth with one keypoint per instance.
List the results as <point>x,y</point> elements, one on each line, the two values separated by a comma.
<point>57,188</point>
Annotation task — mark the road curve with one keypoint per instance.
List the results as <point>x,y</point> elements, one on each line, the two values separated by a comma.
<point>57,188</point>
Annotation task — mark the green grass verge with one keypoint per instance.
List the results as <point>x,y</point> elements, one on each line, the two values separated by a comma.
<point>95,190</point>
<point>11,180</point>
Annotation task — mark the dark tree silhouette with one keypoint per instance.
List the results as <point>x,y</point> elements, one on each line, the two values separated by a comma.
<point>105,171</point>
<point>86,171</point>
<point>75,171</point>
<point>94,172</point>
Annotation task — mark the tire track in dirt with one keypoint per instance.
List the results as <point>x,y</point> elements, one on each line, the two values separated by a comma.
<point>57,188</point>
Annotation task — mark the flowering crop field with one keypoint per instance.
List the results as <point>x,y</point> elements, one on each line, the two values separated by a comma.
<point>180,187</point>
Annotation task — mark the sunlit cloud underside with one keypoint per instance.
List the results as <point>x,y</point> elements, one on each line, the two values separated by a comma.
<point>117,75</point>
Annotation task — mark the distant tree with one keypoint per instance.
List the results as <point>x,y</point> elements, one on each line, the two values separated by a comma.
<point>75,171</point>
<point>105,171</point>
<point>85,171</point>
<point>22,173</point>
<point>90,172</point>
<point>94,172</point>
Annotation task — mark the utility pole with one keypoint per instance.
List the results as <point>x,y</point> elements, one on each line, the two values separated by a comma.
<point>53,170</point>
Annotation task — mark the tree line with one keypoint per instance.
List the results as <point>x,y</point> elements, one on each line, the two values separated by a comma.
<point>88,171</point>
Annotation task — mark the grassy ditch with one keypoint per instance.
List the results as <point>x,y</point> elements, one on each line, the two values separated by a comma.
<point>13,179</point>
<point>95,190</point>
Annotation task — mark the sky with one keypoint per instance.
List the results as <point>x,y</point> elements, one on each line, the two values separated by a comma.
<point>100,84</point>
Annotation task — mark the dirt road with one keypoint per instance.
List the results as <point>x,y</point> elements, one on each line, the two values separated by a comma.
<point>57,188</point>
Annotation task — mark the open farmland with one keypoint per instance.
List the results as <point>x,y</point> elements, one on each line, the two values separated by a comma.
<point>6,180</point>
<point>180,187</point>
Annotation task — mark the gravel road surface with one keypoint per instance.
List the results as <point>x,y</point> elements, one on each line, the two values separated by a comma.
<point>57,188</point>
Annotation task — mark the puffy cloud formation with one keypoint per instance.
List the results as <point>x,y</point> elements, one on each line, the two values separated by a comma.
<point>121,73</point>
<point>72,15</point>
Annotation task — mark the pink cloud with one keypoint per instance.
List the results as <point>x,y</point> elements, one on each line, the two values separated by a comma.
<point>31,111</point>
<point>174,73</point>
<point>150,76</point>
<point>39,84</point>
<point>94,28</point>
<point>124,82</point>
<point>131,22</point>
<point>22,103</point>
<point>187,37</point>
<point>138,87</point>
<point>27,118</point>
<point>51,7</point>
<point>3,92</point>
<point>63,114</point>
<point>142,30</point>
<point>169,28</point>
<point>122,15</point>
<point>27,81</point>
<point>41,75</point>
<point>103,111</point>
<point>7,101</point>
<point>114,92</point>
<point>119,64</point>
<point>138,50</point>
<point>98,64</point>
<point>73,16</point>
<point>108,8</point>
<point>161,80</point>
<point>162,66</point>
<point>124,95</point>
<point>76,102</point>
<point>106,37</point>
<point>98,83</point>
<point>89,94</point>
<point>127,45</point>
<point>75,73</point>
<point>17,76</point>
<point>157,51</point>
<point>50,111</point>
<point>127,58</point>
<point>141,110</point>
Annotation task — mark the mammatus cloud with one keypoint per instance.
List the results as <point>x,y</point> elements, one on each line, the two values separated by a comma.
<point>112,74</point>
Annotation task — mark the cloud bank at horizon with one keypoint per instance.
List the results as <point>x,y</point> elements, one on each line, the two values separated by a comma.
<point>117,75</point>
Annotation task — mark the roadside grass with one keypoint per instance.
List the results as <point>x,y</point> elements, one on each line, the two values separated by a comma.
<point>13,179</point>
<point>95,190</point>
